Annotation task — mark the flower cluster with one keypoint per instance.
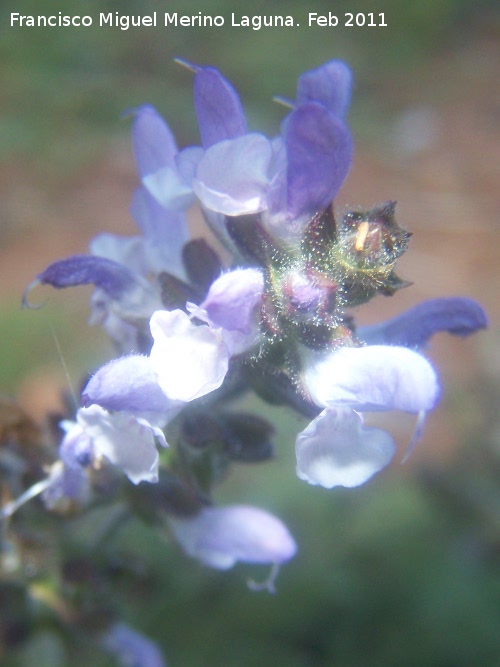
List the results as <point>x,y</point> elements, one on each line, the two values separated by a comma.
<point>193,332</point>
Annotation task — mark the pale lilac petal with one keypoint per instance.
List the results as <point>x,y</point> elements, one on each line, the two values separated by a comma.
<point>221,536</point>
<point>277,190</point>
<point>169,188</point>
<point>376,377</point>
<point>413,328</point>
<point>129,384</point>
<point>165,233</point>
<point>76,449</point>
<point>319,154</point>
<point>330,85</point>
<point>336,450</point>
<point>102,313</point>
<point>126,250</point>
<point>218,107</point>
<point>130,648</point>
<point>125,441</point>
<point>232,299</point>
<point>187,161</point>
<point>154,144</point>
<point>232,176</point>
<point>68,487</point>
<point>235,340</point>
<point>189,361</point>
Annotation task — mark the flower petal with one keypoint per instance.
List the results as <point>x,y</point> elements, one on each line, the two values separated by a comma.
<point>111,277</point>
<point>221,536</point>
<point>336,450</point>
<point>218,107</point>
<point>125,441</point>
<point>129,384</point>
<point>169,189</point>
<point>376,377</point>
<point>165,232</point>
<point>69,487</point>
<point>154,143</point>
<point>319,153</point>
<point>232,176</point>
<point>103,312</point>
<point>76,449</point>
<point>330,85</point>
<point>189,361</point>
<point>131,648</point>
<point>413,328</point>
<point>129,251</point>
<point>232,299</point>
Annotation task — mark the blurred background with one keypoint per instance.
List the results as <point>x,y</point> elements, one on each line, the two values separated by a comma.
<point>404,571</point>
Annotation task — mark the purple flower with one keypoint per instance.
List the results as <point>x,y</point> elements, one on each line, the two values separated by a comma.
<point>335,449</point>
<point>126,441</point>
<point>187,360</point>
<point>221,536</point>
<point>131,648</point>
<point>290,178</point>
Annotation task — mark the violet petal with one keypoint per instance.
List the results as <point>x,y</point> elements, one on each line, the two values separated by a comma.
<point>330,85</point>
<point>232,299</point>
<point>127,384</point>
<point>76,449</point>
<point>218,107</point>
<point>413,328</point>
<point>319,153</point>
<point>130,648</point>
<point>113,278</point>
<point>154,144</point>
<point>68,486</point>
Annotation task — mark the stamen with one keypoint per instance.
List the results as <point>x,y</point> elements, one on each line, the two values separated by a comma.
<point>11,507</point>
<point>267,584</point>
<point>186,64</point>
<point>284,102</point>
<point>25,303</point>
<point>416,435</point>
<point>361,235</point>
